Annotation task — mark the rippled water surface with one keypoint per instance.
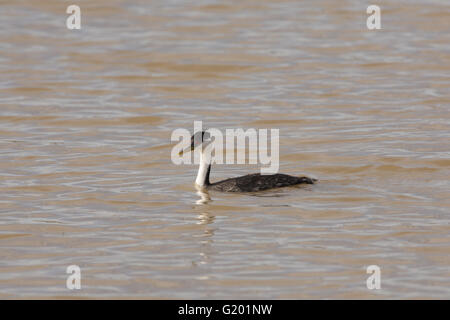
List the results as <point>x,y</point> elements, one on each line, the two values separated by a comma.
<point>86,177</point>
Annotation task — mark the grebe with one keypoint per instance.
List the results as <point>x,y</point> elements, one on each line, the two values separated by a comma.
<point>249,183</point>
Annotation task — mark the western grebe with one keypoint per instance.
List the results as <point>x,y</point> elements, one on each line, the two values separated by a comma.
<point>249,183</point>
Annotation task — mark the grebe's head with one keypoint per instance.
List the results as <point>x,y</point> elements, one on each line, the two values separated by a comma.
<point>199,138</point>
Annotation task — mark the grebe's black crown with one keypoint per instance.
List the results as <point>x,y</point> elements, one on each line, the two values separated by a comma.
<point>199,137</point>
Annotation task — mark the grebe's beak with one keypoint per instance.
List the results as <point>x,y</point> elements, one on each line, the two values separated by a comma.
<point>187,150</point>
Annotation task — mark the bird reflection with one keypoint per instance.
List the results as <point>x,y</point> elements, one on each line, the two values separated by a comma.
<point>206,249</point>
<point>204,196</point>
<point>205,219</point>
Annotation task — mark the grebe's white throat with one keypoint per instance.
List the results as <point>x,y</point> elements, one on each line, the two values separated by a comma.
<point>205,166</point>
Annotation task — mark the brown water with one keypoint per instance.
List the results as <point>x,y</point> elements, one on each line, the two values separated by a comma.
<point>86,177</point>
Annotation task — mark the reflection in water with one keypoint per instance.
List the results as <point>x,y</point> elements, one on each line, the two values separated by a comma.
<point>205,250</point>
<point>204,196</point>
<point>205,218</point>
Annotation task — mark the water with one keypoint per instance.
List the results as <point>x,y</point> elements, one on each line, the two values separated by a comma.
<point>86,177</point>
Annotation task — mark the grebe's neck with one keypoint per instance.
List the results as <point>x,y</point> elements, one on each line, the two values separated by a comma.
<point>204,168</point>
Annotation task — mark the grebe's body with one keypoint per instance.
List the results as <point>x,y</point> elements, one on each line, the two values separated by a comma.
<point>257,182</point>
<point>249,183</point>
